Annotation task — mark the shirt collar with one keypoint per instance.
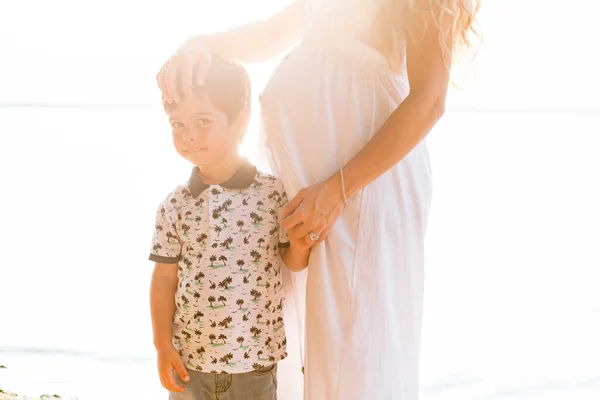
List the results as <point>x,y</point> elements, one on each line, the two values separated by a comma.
<point>242,179</point>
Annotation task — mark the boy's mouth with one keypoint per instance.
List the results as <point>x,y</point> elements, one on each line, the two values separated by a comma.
<point>195,150</point>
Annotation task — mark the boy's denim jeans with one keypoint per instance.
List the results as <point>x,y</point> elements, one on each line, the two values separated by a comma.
<point>256,385</point>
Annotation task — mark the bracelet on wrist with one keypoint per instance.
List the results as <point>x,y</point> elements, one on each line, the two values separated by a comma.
<point>343,184</point>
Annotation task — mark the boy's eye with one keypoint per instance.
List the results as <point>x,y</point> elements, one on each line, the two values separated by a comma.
<point>203,122</point>
<point>177,125</point>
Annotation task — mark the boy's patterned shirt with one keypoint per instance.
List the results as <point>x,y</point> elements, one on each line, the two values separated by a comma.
<point>229,300</point>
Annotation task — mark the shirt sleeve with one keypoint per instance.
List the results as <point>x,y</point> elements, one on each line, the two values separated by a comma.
<point>166,245</point>
<point>284,241</point>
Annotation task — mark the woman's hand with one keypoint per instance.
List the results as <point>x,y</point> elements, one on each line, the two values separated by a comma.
<point>314,209</point>
<point>300,244</point>
<point>190,65</point>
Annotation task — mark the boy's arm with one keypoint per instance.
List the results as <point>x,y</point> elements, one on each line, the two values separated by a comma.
<point>162,303</point>
<point>166,253</point>
<point>162,309</point>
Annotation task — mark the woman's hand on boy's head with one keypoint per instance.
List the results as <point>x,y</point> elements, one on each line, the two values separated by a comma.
<point>189,66</point>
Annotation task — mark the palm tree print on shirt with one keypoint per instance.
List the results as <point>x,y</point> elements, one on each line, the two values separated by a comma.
<point>224,284</point>
<point>256,256</point>
<point>170,237</point>
<point>256,295</point>
<point>229,280</point>
<point>202,240</point>
<point>188,264</point>
<point>223,338</point>
<point>240,263</point>
<point>211,300</point>
<point>241,340</point>
<point>256,219</point>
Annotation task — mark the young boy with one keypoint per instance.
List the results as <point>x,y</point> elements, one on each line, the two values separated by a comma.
<point>216,292</point>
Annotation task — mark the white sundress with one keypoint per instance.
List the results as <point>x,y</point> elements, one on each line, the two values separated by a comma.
<point>363,288</point>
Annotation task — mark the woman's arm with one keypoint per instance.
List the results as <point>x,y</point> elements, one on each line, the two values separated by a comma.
<point>317,208</point>
<point>428,76</point>
<point>254,42</point>
<point>257,41</point>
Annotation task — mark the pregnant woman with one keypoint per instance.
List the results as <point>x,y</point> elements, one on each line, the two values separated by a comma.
<point>344,120</point>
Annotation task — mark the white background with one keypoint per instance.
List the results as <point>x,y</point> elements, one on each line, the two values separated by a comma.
<point>512,306</point>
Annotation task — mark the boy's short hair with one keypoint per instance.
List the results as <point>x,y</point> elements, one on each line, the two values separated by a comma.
<point>227,87</point>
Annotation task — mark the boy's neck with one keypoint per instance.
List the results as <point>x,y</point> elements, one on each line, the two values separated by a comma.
<point>216,174</point>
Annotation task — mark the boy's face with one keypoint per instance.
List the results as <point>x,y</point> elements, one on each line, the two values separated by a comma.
<point>203,134</point>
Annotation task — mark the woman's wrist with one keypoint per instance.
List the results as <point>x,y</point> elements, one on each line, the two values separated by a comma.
<point>343,186</point>
<point>353,182</point>
<point>336,190</point>
<point>195,44</point>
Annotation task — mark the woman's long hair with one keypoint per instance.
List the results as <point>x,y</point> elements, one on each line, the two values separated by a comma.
<point>404,21</point>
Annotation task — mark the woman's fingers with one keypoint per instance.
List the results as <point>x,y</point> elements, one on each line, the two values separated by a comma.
<point>193,70</point>
<point>291,221</point>
<point>293,204</point>
<point>162,84</point>
<point>186,72</point>
<point>170,78</point>
<point>190,67</point>
<point>323,235</point>
<point>201,67</point>
<point>305,229</point>
<point>304,217</point>
<point>177,67</point>
<point>301,233</point>
<point>312,243</point>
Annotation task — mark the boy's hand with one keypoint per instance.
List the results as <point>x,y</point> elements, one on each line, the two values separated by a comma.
<point>169,360</point>
<point>301,245</point>
<point>296,256</point>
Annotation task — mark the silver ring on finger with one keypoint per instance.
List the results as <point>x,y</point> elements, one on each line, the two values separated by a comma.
<point>313,236</point>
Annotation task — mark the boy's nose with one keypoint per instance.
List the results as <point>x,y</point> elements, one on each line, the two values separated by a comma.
<point>190,134</point>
